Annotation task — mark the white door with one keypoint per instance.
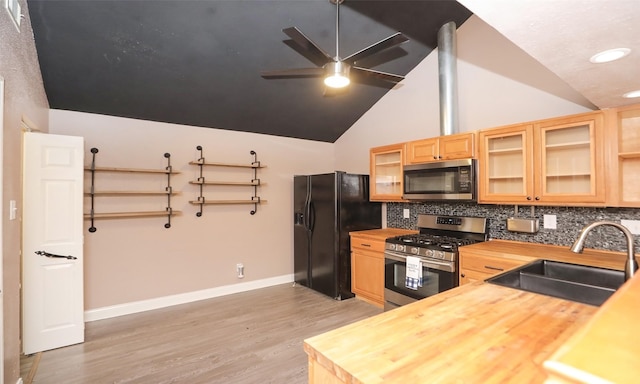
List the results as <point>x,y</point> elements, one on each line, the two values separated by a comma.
<point>1,218</point>
<point>52,258</point>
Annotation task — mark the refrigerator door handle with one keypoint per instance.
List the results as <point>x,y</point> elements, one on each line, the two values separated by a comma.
<point>307,213</point>
<point>312,216</point>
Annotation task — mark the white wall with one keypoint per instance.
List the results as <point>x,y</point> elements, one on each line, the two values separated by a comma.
<point>498,84</point>
<point>129,260</point>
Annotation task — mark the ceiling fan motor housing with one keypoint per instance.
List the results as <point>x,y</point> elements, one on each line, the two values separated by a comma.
<point>337,74</point>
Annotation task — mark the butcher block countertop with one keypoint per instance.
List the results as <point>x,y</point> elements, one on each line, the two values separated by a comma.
<point>484,333</point>
<point>383,233</point>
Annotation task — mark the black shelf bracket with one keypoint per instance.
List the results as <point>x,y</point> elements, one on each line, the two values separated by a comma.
<point>200,180</point>
<point>94,150</point>
<point>255,181</point>
<point>168,189</point>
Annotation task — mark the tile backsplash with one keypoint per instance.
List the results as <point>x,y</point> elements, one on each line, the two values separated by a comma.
<point>570,220</point>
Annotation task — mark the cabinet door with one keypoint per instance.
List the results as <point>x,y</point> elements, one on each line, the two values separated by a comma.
<point>506,166</point>
<point>422,151</point>
<point>627,123</point>
<point>569,160</point>
<point>386,164</point>
<point>367,279</point>
<point>468,276</point>
<point>460,146</point>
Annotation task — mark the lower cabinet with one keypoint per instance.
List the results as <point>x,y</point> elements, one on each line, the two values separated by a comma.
<point>476,267</point>
<point>367,269</point>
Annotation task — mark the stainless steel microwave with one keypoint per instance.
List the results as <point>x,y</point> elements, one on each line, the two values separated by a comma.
<point>442,180</point>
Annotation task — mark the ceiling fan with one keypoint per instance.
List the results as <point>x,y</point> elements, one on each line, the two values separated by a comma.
<point>337,71</point>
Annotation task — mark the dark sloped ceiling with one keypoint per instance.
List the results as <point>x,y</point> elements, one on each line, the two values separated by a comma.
<point>198,62</point>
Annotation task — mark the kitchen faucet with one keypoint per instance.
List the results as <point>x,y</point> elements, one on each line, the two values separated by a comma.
<point>631,266</point>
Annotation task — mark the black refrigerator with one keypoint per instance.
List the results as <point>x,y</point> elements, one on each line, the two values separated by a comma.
<point>326,208</point>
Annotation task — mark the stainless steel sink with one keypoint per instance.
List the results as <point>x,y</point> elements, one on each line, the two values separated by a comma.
<point>581,283</point>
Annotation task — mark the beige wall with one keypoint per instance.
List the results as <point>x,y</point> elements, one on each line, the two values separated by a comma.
<point>24,99</point>
<point>498,84</point>
<point>128,260</point>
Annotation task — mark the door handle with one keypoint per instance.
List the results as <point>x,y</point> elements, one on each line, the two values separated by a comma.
<point>47,254</point>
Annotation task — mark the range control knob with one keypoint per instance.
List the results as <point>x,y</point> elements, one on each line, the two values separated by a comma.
<point>414,250</point>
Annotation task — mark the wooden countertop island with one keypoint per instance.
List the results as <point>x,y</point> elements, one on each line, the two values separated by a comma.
<point>476,333</point>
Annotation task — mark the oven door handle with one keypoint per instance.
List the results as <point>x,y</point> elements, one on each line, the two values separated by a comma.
<point>442,266</point>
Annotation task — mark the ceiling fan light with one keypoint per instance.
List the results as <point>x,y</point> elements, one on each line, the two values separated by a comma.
<point>337,75</point>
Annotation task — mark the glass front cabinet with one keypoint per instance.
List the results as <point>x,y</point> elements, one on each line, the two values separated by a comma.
<point>386,164</point>
<point>551,162</point>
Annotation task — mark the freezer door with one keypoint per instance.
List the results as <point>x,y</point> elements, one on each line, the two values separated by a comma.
<point>323,261</point>
<point>301,233</point>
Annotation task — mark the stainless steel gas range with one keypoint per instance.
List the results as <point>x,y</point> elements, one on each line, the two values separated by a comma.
<point>424,264</point>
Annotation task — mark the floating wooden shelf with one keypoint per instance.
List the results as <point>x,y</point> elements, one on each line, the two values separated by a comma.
<point>119,215</point>
<point>132,193</point>
<point>168,192</point>
<point>237,183</point>
<point>202,181</point>
<point>131,170</point>
<point>221,202</point>
<point>198,162</point>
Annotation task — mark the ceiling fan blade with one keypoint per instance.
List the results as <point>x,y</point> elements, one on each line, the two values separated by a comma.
<point>315,54</point>
<point>391,41</point>
<point>292,73</point>
<point>359,72</point>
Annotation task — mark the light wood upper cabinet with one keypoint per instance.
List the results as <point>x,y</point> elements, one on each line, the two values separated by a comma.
<point>551,162</point>
<point>386,165</point>
<point>506,164</point>
<point>624,185</point>
<point>450,147</point>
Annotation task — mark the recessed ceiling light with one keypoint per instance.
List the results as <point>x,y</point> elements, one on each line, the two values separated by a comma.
<point>609,55</point>
<point>632,94</point>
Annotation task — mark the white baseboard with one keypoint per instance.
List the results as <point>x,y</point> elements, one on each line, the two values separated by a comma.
<point>183,298</point>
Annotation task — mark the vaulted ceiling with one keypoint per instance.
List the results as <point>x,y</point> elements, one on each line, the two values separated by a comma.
<point>198,62</point>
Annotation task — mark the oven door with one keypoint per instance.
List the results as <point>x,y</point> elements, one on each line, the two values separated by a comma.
<point>439,276</point>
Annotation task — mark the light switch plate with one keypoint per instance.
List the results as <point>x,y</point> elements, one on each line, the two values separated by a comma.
<point>12,209</point>
<point>405,213</point>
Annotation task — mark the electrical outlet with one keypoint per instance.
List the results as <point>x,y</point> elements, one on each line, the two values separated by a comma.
<point>406,213</point>
<point>550,222</point>
<point>632,225</point>
<point>240,270</point>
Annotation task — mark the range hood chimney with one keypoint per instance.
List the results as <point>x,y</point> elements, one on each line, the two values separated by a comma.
<point>448,79</point>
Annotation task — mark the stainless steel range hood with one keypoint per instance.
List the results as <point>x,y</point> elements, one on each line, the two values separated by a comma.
<point>448,79</point>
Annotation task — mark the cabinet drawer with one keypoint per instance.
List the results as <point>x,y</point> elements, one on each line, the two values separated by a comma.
<point>367,244</point>
<point>490,265</point>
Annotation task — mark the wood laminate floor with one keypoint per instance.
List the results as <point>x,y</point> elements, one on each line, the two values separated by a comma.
<point>250,337</point>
